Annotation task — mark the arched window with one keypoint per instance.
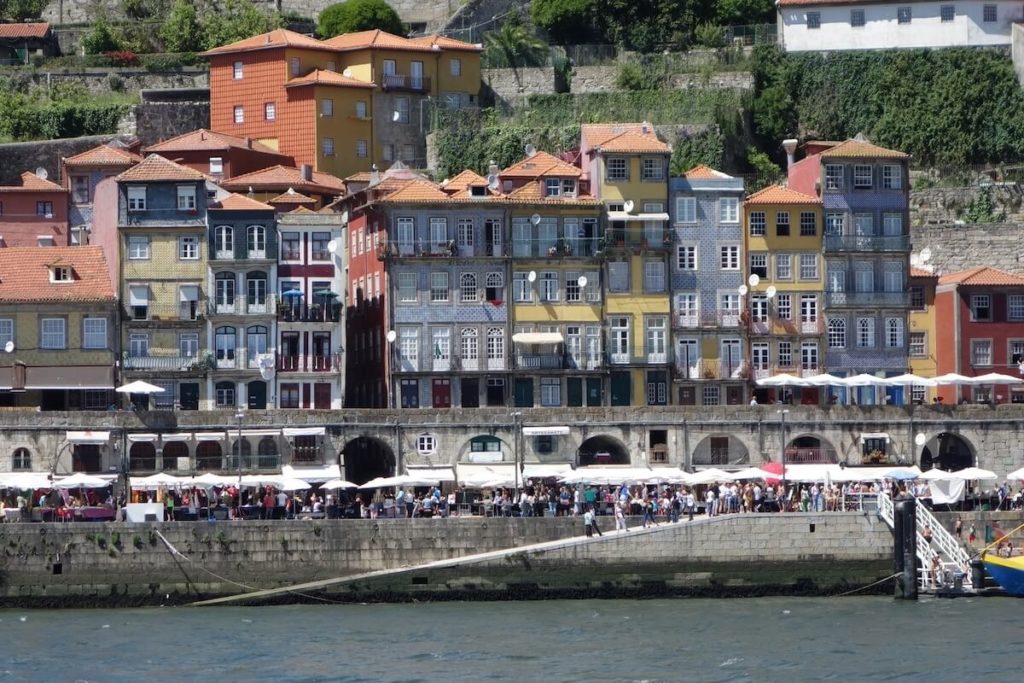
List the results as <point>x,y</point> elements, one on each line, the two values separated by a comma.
<point>255,343</point>
<point>224,292</point>
<point>256,241</point>
<point>495,288</point>
<point>837,333</point>
<point>174,452</point>
<point>21,460</point>
<point>470,349</point>
<point>225,394</point>
<point>495,347</point>
<point>224,241</point>
<point>208,455</point>
<point>467,285</point>
<point>226,343</point>
<point>142,457</point>
<point>246,454</point>
<point>485,444</point>
<point>268,453</point>
<point>894,333</point>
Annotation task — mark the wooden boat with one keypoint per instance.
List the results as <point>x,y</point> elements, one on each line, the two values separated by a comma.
<point>1007,571</point>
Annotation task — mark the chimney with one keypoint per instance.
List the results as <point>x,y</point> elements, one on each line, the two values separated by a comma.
<point>374,175</point>
<point>645,127</point>
<point>789,145</point>
<point>307,172</point>
<point>492,168</point>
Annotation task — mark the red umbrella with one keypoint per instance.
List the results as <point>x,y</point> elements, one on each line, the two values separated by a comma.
<point>774,468</point>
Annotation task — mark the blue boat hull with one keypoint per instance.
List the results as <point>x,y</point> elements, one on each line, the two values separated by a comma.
<point>1007,571</point>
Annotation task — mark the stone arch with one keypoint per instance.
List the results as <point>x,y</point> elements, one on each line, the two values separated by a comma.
<point>810,448</point>
<point>602,450</point>
<point>366,458</point>
<point>21,460</point>
<point>721,449</point>
<point>948,451</point>
<point>173,452</point>
<point>142,457</point>
<point>267,453</point>
<point>208,456</point>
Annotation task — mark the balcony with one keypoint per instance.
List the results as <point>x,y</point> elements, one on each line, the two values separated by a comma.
<point>480,364</point>
<point>173,218</point>
<point>637,357</point>
<point>185,312</point>
<point>166,363</point>
<point>783,327</point>
<point>540,361</point>
<point>638,240</point>
<point>712,369</point>
<point>241,305</point>
<point>866,243</point>
<point>895,299</point>
<point>308,313</point>
<point>585,361</point>
<point>584,248</point>
<point>405,82</point>
<point>720,319</point>
<point>308,363</point>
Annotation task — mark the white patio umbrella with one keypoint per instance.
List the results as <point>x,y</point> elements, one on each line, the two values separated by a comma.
<point>80,480</point>
<point>25,480</point>
<point>1016,474</point>
<point>823,380</point>
<point>995,378</point>
<point>209,479</point>
<point>782,380</point>
<point>938,475</point>
<point>286,484</point>
<point>951,379</point>
<point>397,480</point>
<point>139,387</point>
<point>910,380</point>
<point>335,484</point>
<point>157,480</point>
<point>710,476</point>
<point>752,473</point>
<point>861,380</point>
<point>975,473</point>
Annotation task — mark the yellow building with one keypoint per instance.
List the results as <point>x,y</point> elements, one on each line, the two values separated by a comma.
<point>785,276</point>
<point>922,340</point>
<point>626,167</point>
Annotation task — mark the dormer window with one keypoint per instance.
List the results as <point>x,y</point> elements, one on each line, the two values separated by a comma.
<point>477,191</point>
<point>216,165</point>
<point>44,241</point>
<point>569,187</point>
<point>553,187</point>
<point>186,198</point>
<point>60,274</point>
<point>136,198</point>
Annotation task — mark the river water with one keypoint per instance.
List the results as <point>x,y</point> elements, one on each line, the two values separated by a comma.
<point>769,639</point>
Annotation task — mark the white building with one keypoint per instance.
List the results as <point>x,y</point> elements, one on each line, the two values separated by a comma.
<point>820,25</point>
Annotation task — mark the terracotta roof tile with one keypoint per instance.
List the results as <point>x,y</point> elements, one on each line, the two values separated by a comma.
<point>531,194</point>
<point>600,134</point>
<point>203,139</point>
<point>281,178</point>
<point>921,272</point>
<point>417,191</point>
<point>292,197</point>
<point>324,77</point>
<point>30,182</point>
<point>632,142</point>
<point>984,276</point>
<point>541,165</point>
<point>276,39</point>
<point>375,39</point>
<point>777,194</point>
<point>155,168</point>
<point>861,149</point>
<point>446,43</point>
<point>104,155</point>
<point>238,202</point>
<point>464,180</point>
<point>360,177</point>
<point>25,275</point>
<point>30,30</point>
<point>301,209</point>
<point>705,172</point>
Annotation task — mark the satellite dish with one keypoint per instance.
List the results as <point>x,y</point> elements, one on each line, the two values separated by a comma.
<point>753,280</point>
<point>396,115</point>
<point>742,290</point>
<point>582,281</point>
<point>392,336</point>
<point>347,72</point>
<point>627,205</point>
<point>535,218</point>
<point>492,181</point>
<point>332,246</point>
<point>42,173</point>
<point>344,216</point>
<point>771,292</point>
<point>920,439</point>
<point>266,373</point>
<point>9,347</point>
<point>532,277</point>
<point>926,254</point>
<point>530,150</point>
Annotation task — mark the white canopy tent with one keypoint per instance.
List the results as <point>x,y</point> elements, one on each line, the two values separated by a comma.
<point>25,480</point>
<point>80,480</point>
<point>709,476</point>
<point>861,380</point>
<point>812,473</point>
<point>995,378</point>
<point>823,380</point>
<point>951,379</point>
<point>335,484</point>
<point>139,387</point>
<point>312,475</point>
<point>909,380</point>
<point>783,380</point>
<point>155,481</point>
<point>1015,475</point>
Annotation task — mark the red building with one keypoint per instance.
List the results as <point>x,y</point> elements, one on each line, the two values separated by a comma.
<point>219,155</point>
<point>33,213</point>
<point>982,311</point>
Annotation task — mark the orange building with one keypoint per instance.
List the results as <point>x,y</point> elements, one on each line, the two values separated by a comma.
<point>33,212</point>
<point>343,104</point>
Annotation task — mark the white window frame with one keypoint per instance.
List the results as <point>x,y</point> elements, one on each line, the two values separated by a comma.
<point>238,70</point>
<point>239,114</point>
<point>758,223</point>
<point>892,177</point>
<point>833,176</point>
<point>686,257</point>
<point>654,276</point>
<point>94,333</point>
<point>917,346</point>
<point>865,332</point>
<point>327,107</point>
<point>327,147</point>
<point>53,334</point>
<point>186,198</point>
<point>652,169</point>
<point>981,301</point>
<point>138,248</point>
<point>468,290</point>
<point>895,333</point>
<point>1015,306</point>
<point>729,257</point>
<point>783,266</point>
<point>808,266</point>
<point>813,21</point>
<point>686,210</point>
<point>136,198</point>
<point>269,112</point>
<point>837,333</point>
<point>549,286</point>
<point>439,287</point>
<point>455,67</point>
<point>981,353</point>
<point>863,176</point>
<point>617,169</point>
<point>728,210</point>
<point>188,248</point>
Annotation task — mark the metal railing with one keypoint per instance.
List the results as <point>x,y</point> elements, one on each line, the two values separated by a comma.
<point>871,243</point>
<point>585,247</point>
<point>309,313</point>
<point>307,363</point>
<point>178,363</point>
<point>656,240</point>
<point>243,305</point>
<point>867,299</point>
<point>186,311</point>
<point>779,326</point>
<point>405,82</point>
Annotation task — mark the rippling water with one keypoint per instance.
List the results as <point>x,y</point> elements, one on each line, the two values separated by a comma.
<point>771,639</point>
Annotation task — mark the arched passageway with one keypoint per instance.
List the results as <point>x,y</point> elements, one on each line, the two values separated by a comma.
<point>367,458</point>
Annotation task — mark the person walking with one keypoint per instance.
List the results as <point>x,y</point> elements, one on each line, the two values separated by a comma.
<point>620,517</point>
<point>958,528</point>
<point>691,503</point>
<point>650,507</point>
<point>588,523</point>
<point>593,521</point>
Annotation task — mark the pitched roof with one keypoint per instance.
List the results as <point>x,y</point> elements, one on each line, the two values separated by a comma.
<point>539,165</point>
<point>30,182</point>
<point>446,43</point>
<point>104,155</point>
<point>375,39</point>
<point>238,202</point>
<point>921,272</point>
<point>622,137</point>
<point>417,191</point>
<point>281,177</point>
<point>360,177</point>
<point>861,148</point>
<point>155,168</point>
<point>634,143</point>
<point>777,194</point>
<point>30,30</point>
<point>530,194</point>
<point>203,140</point>
<point>292,197</point>
<point>324,77</point>
<point>982,275</point>
<point>25,275</point>
<point>464,180</point>
<point>273,40</point>
<point>705,172</point>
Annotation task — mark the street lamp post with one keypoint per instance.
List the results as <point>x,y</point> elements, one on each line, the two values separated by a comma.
<point>782,414</point>
<point>515,449</point>
<point>239,415</point>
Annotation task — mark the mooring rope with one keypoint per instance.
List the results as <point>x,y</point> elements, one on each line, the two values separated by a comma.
<point>870,585</point>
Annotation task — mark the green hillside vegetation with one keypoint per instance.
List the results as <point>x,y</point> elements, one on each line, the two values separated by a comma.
<point>68,112</point>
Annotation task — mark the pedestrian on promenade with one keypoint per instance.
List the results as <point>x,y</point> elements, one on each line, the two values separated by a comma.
<point>593,521</point>
<point>691,503</point>
<point>650,507</point>
<point>588,521</point>
<point>958,528</point>
<point>620,517</point>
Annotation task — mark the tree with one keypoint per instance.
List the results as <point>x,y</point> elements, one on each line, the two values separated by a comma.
<point>237,20</point>
<point>567,22</point>
<point>652,25</point>
<point>20,10</point>
<point>100,39</point>
<point>745,11</point>
<point>182,32</point>
<point>513,46</point>
<point>359,15</point>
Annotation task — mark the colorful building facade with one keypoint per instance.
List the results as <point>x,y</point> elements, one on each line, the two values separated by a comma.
<point>33,212</point>
<point>923,335</point>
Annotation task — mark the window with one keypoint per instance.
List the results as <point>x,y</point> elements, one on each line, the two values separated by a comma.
<point>981,307</point>
<point>495,288</point>
<point>256,241</point>
<point>552,187</point>
<point>892,177</point>
<point>522,288</point>
<point>237,71</point>
<point>1015,307</point>
<point>408,153</point>
<point>654,276</point>
<point>495,347</point>
<point>652,168</point>
<point>226,343</point>
<point>568,187</point>
<point>837,333</point>
<point>834,223</point>
<point>225,396</point>
<point>327,107</point>
<point>894,333</point>
<point>439,233</point>
<point>186,198</point>
<point>783,266</point>
<point>989,14</point>
<point>239,114</point>
<point>862,176</point>
<point>808,224</point>
<point>947,13</point>
<point>809,308</point>
<point>295,66</point>
<point>407,288</point>
<point>426,444</point>
<point>21,460</point>
<point>759,355</point>
<point>618,169</point>
<point>729,305</point>
<point>759,265</point>
<point>813,20</point>
<point>138,299</point>
<point>269,112</point>
<point>729,257</point>
<point>686,257</point>
<point>550,391</point>
<point>188,247</point>
<point>758,223</point>
<point>856,18</point>
<point>619,339</point>
<point>6,331</point>
<point>94,333</point>
<point>438,287</point>
<point>470,348</point>
<point>917,302</point>
<point>361,149</point>
<point>138,345</point>
<point>361,109</point>
<point>784,306</point>
<point>808,266</point>
<point>465,233</point>
<point>80,189</point>
<point>618,276</point>
<point>728,210</point>
<point>1016,352</point>
<point>467,288</point>
<point>389,67</point>
<point>918,345</point>
<point>686,209</point>
<point>711,396</point>
<point>809,355</point>
<point>455,66</point>
<point>138,247</point>
<point>548,287</point>
<point>833,177</point>
<point>401,110</point>
<point>866,333</point>
<point>981,352</point>
<point>782,223</point>
<point>136,199</point>
<point>291,246</point>
<point>388,152</point>
<point>903,15</point>
<point>216,166</point>
<point>327,147</point>
<point>318,246</point>
<point>188,344</point>
<point>44,209</point>
<point>52,333</point>
<point>785,354</point>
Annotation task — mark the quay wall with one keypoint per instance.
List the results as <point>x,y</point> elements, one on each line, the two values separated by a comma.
<point>118,564</point>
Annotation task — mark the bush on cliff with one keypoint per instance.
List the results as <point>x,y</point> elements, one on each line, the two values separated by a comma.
<point>101,39</point>
<point>236,20</point>
<point>182,31</point>
<point>359,15</point>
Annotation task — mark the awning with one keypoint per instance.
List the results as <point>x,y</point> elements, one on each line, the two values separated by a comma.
<point>438,473</point>
<point>312,475</point>
<point>873,435</point>
<point>138,295</point>
<point>259,432</point>
<point>537,338</point>
<point>553,471</point>
<point>551,430</point>
<point>142,438</point>
<point>471,475</point>
<point>623,216</point>
<point>88,437</point>
<point>189,292</point>
<point>167,438</point>
<point>304,431</point>
<point>209,436</point>
<point>76,377</point>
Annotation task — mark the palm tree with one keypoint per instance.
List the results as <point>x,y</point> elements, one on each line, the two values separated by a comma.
<point>515,47</point>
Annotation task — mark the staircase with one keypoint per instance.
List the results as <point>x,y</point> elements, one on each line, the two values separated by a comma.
<point>952,556</point>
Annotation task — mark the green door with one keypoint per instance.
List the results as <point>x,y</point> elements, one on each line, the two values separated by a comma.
<point>594,393</point>
<point>524,392</point>
<point>620,388</point>
<point>257,395</point>
<point>574,391</point>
